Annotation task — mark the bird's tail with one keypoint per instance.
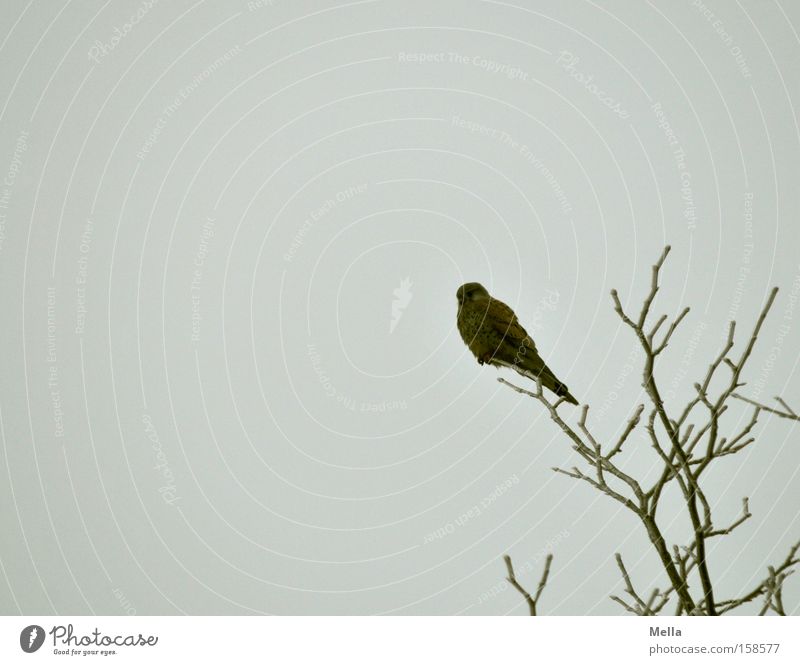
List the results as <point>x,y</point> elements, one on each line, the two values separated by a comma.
<point>562,391</point>
<point>536,366</point>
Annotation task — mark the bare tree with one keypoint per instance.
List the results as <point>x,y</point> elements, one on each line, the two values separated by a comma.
<point>686,442</point>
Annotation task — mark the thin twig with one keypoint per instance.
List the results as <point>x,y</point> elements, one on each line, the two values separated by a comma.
<point>512,580</point>
<point>641,607</point>
<point>788,564</point>
<point>786,413</point>
<point>746,515</point>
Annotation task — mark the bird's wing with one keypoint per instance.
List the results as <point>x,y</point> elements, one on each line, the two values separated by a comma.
<point>502,318</point>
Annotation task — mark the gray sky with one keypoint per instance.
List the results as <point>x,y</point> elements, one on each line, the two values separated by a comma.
<point>230,241</point>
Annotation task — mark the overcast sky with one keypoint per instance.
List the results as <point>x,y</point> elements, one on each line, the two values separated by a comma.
<point>230,241</point>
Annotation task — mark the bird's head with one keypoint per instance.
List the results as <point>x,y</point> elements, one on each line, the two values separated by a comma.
<point>471,292</point>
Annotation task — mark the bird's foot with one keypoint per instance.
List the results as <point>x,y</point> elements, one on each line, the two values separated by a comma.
<point>484,359</point>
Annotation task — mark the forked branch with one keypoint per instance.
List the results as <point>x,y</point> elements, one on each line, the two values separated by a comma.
<point>512,580</point>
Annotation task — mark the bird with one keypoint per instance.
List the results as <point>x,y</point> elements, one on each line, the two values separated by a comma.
<point>490,330</point>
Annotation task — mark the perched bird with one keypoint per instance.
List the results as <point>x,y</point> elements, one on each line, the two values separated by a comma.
<point>490,329</point>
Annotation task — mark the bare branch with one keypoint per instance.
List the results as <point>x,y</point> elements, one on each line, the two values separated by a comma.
<point>512,580</point>
<point>686,445</point>
<point>756,329</point>
<point>629,427</point>
<point>786,406</point>
<point>653,287</point>
<point>786,413</point>
<point>598,485</point>
<point>543,578</point>
<point>776,584</point>
<point>787,565</point>
<point>670,330</point>
<point>690,486</point>
<point>655,328</point>
<point>746,515</point>
<point>590,452</point>
<point>625,605</point>
<point>517,388</point>
<point>618,309</point>
<point>641,607</point>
